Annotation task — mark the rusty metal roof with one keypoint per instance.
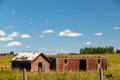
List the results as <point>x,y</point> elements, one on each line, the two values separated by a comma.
<point>26,56</point>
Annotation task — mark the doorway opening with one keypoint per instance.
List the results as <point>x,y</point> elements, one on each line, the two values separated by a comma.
<point>40,65</point>
<point>99,61</point>
<point>82,64</point>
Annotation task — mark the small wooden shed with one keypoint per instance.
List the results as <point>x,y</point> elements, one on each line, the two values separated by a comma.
<point>81,63</point>
<point>32,61</point>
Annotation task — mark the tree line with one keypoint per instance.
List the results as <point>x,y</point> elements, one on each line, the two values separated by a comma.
<point>97,50</point>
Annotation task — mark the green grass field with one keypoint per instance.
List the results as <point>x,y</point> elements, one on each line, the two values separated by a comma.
<point>5,61</point>
<point>113,61</point>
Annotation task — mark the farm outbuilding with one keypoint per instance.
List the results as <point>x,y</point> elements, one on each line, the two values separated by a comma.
<point>81,63</point>
<point>5,54</point>
<point>32,61</point>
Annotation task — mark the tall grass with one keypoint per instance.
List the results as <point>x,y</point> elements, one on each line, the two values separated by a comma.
<point>57,75</point>
<point>52,75</point>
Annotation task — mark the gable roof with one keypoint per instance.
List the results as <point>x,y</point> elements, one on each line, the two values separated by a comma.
<point>45,57</point>
<point>29,56</point>
<point>26,56</point>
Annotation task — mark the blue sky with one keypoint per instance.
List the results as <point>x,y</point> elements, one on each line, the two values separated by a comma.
<point>57,26</point>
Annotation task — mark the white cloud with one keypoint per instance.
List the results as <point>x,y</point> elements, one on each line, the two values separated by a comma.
<point>25,36</point>
<point>9,37</point>
<point>69,33</point>
<point>13,34</point>
<point>116,28</point>
<point>6,38</point>
<point>48,31</point>
<point>88,43</point>
<point>41,36</point>
<point>98,34</point>
<point>2,33</point>
<point>14,44</point>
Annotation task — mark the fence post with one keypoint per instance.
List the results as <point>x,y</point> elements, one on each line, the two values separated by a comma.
<point>101,73</point>
<point>90,74</point>
<point>44,69</point>
<point>39,70</point>
<point>24,74</point>
<point>1,68</point>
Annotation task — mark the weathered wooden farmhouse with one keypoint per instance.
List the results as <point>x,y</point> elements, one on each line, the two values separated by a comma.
<point>32,61</point>
<point>81,63</point>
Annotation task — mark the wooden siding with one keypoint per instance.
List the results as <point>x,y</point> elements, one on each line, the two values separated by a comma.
<point>91,64</point>
<point>73,64</point>
<point>104,64</point>
<point>60,64</point>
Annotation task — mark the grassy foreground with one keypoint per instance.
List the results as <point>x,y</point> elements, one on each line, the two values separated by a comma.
<point>53,75</point>
<point>113,61</point>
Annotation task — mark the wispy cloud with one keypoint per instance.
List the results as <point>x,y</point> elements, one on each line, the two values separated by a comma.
<point>13,12</point>
<point>98,34</point>
<point>25,36</point>
<point>116,28</point>
<point>48,31</point>
<point>47,20</point>
<point>2,33</point>
<point>88,43</point>
<point>14,44</point>
<point>27,47</point>
<point>6,38</point>
<point>69,33</point>
<point>41,36</point>
<point>13,34</point>
<point>8,27</point>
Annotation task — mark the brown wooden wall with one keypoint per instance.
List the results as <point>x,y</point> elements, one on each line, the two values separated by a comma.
<point>72,64</point>
<point>60,64</point>
<point>104,64</point>
<point>91,64</point>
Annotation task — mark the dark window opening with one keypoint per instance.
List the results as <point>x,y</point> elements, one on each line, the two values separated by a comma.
<point>24,65</point>
<point>98,60</point>
<point>65,61</point>
<point>82,64</point>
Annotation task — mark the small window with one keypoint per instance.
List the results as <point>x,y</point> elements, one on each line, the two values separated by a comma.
<point>65,61</point>
<point>98,60</point>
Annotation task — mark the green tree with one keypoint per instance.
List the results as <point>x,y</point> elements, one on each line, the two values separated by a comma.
<point>97,50</point>
<point>81,51</point>
<point>11,53</point>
